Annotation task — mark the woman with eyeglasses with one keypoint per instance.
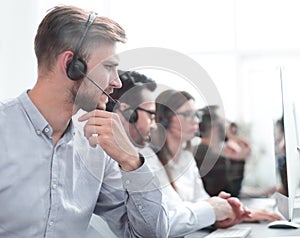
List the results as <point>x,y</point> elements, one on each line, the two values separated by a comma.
<point>177,115</point>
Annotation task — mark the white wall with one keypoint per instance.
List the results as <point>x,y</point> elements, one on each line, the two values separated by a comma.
<point>230,39</point>
<point>17,64</point>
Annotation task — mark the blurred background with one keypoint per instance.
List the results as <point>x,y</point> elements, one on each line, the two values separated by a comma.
<point>242,45</point>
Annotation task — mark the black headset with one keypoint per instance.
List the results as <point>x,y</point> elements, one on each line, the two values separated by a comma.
<point>77,67</point>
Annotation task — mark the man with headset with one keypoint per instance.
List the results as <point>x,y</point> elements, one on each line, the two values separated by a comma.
<point>136,106</point>
<point>52,176</point>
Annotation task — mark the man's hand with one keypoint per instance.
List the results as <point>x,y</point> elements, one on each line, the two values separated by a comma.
<point>221,208</point>
<point>262,215</point>
<point>105,129</point>
<point>240,213</point>
<point>229,211</point>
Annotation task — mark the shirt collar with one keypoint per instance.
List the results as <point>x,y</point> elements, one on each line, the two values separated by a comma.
<point>38,121</point>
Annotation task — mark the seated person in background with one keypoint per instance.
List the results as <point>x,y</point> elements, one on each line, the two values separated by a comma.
<point>219,173</point>
<point>137,112</point>
<point>136,107</point>
<point>236,147</point>
<point>177,123</point>
<point>233,128</point>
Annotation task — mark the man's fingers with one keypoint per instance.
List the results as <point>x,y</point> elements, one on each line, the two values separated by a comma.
<point>224,195</point>
<point>238,208</point>
<point>93,140</point>
<point>263,215</point>
<point>225,223</point>
<point>235,202</point>
<point>95,113</point>
<point>90,130</point>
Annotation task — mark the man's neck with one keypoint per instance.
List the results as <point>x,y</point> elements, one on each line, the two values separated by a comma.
<point>53,107</point>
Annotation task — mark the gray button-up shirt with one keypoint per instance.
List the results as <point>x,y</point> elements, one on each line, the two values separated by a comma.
<point>51,191</point>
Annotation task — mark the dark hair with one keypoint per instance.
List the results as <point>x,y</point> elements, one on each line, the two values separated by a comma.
<point>167,103</point>
<point>206,124</point>
<point>62,28</point>
<point>209,119</point>
<point>131,92</point>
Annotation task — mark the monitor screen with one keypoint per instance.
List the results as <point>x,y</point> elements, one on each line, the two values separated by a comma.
<point>287,154</point>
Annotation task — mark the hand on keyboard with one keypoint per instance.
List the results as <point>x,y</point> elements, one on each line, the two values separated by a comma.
<point>239,213</point>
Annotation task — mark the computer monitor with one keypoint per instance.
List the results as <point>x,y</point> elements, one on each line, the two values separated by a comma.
<point>291,169</point>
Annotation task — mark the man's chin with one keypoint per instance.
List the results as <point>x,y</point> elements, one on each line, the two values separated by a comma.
<point>101,107</point>
<point>143,143</point>
<point>90,109</point>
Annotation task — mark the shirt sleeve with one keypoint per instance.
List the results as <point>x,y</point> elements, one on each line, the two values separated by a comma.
<point>184,217</point>
<point>132,203</point>
<point>199,191</point>
<point>187,217</point>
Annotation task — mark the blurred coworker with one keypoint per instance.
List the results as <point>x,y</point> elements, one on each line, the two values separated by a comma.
<point>219,173</point>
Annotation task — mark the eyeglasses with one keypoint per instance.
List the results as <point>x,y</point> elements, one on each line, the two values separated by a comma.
<point>152,113</point>
<point>190,115</point>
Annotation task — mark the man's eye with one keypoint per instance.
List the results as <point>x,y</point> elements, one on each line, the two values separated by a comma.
<point>108,66</point>
<point>187,114</point>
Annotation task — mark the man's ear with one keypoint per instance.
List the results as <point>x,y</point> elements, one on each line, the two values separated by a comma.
<point>65,58</point>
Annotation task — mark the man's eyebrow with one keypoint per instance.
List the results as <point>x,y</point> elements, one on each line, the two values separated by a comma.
<point>111,62</point>
<point>114,60</point>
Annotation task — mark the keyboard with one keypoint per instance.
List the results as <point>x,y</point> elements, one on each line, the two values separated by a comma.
<point>232,232</point>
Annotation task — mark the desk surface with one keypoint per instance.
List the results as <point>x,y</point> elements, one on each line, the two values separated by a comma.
<point>258,230</point>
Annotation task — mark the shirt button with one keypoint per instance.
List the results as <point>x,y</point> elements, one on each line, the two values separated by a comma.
<point>51,223</point>
<point>47,129</point>
<point>140,207</point>
<point>127,182</point>
<point>54,186</point>
<point>38,132</point>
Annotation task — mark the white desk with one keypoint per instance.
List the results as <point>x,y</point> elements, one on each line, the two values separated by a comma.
<point>98,228</point>
<point>258,230</point>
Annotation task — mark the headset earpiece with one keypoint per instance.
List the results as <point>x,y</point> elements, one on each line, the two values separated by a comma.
<point>130,115</point>
<point>76,69</point>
